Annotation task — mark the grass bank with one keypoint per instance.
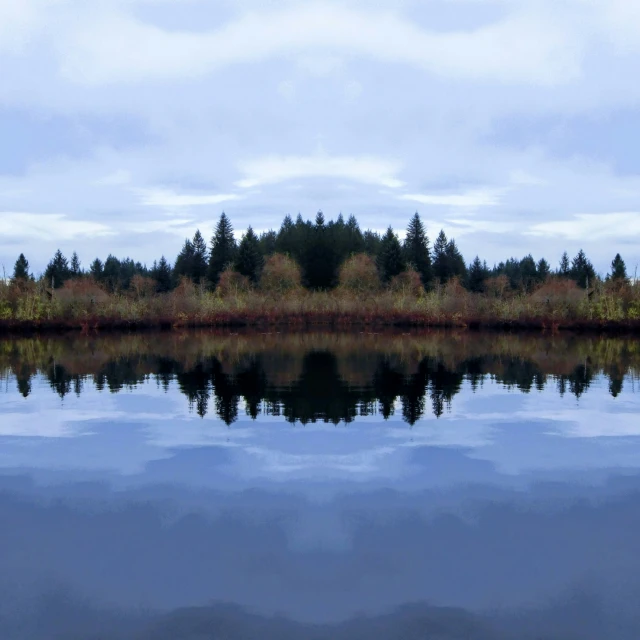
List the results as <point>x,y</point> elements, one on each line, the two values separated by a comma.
<point>556,305</point>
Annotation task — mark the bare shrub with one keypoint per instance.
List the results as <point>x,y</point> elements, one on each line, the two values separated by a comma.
<point>407,282</point>
<point>232,283</point>
<point>359,273</point>
<point>280,274</point>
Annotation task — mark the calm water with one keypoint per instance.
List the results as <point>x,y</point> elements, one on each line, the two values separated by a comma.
<point>195,485</point>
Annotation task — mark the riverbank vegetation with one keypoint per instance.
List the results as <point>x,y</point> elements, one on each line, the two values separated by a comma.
<point>320,273</point>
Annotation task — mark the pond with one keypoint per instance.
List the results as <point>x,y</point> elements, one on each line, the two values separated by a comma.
<point>319,485</point>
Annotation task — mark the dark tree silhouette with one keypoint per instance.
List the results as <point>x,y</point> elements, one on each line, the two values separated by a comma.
<point>249,260</point>
<point>74,267</point>
<point>57,271</point>
<point>223,249</point>
<point>477,275</point>
<point>618,269</point>
<point>416,250</point>
<point>582,270</point>
<point>21,268</point>
<point>162,274</point>
<point>441,270</point>
<point>390,257</point>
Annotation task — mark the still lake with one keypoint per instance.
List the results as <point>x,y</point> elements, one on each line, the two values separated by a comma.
<point>353,485</point>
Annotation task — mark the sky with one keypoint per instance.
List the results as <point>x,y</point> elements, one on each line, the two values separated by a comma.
<point>513,125</point>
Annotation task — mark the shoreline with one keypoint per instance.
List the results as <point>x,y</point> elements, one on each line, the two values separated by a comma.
<point>338,321</point>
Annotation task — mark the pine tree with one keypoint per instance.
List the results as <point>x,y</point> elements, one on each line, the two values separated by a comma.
<point>441,269</point>
<point>455,262</point>
<point>249,259</point>
<point>268,242</point>
<point>390,258</point>
<point>582,270</point>
<point>96,269</point>
<point>57,271</point>
<point>75,269</point>
<point>223,249</point>
<point>371,241</point>
<point>111,273</point>
<point>542,270</point>
<point>476,276</point>
<point>200,258</point>
<point>161,273</point>
<point>416,249</point>
<point>618,269</point>
<point>183,267</point>
<point>528,272</point>
<point>21,269</point>
<point>565,267</point>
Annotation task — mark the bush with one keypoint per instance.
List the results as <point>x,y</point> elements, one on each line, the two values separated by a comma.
<point>407,282</point>
<point>280,274</point>
<point>232,283</point>
<point>359,273</point>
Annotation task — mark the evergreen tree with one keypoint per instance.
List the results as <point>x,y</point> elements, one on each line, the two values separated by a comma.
<point>542,270</point>
<point>565,266</point>
<point>354,240</point>
<point>441,270</point>
<point>618,269</point>
<point>162,274</point>
<point>582,270</point>
<point>372,242</point>
<point>200,258</point>
<point>268,242</point>
<point>317,254</point>
<point>183,267</point>
<point>96,269</point>
<point>477,275</point>
<point>390,258</point>
<point>111,273</point>
<point>21,268</point>
<point>455,261</point>
<point>528,272</point>
<point>416,249</point>
<point>223,249</point>
<point>75,269</point>
<point>249,259</point>
<point>57,271</point>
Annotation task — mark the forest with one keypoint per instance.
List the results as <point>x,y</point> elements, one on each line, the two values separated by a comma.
<point>320,271</point>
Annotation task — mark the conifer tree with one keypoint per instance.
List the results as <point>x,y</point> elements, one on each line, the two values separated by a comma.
<point>161,273</point>
<point>542,270</point>
<point>249,259</point>
<point>96,269</point>
<point>268,242</point>
<point>354,240</point>
<point>582,270</point>
<point>200,258</point>
<point>441,270</point>
<point>21,268</point>
<point>390,257</point>
<point>618,269</point>
<point>528,272</point>
<point>111,273</point>
<point>371,241</point>
<point>57,271</point>
<point>416,249</point>
<point>223,249</point>
<point>74,267</point>
<point>565,266</point>
<point>183,267</point>
<point>477,275</point>
<point>455,262</point>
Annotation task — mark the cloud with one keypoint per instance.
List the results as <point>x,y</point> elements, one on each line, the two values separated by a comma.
<point>590,226</point>
<point>287,89</point>
<point>116,178</point>
<point>364,169</point>
<point>474,198</point>
<point>168,199</point>
<point>118,48</point>
<point>49,226</point>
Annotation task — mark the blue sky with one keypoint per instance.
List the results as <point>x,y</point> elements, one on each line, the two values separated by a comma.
<point>127,124</point>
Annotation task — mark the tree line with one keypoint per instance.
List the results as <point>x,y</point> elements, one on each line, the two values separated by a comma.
<point>320,248</point>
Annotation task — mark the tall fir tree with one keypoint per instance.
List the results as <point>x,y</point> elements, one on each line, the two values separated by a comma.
<point>371,241</point>
<point>57,271</point>
<point>618,269</point>
<point>163,275</point>
<point>440,261</point>
<point>183,267</point>
<point>96,269</point>
<point>74,266</point>
<point>543,269</point>
<point>223,249</point>
<point>455,262</point>
<point>200,262</point>
<point>582,270</point>
<point>268,242</point>
<point>390,257</point>
<point>565,266</point>
<point>249,259</point>
<point>416,249</point>
<point>477,276</point>
<point>21,269</point>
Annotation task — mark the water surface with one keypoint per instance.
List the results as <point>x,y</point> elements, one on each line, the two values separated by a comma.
<point>190,485</point>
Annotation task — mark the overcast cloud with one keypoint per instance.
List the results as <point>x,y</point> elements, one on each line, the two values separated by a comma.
<point>127,124</point>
